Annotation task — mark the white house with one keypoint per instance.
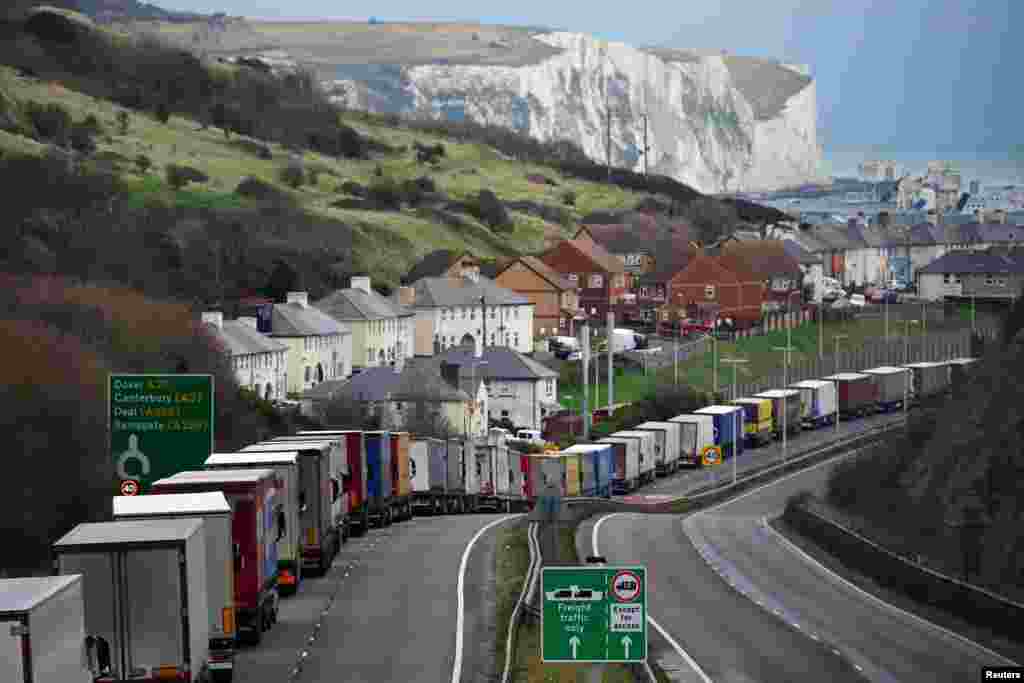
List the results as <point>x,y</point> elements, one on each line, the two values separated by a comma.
<point>259,362</point>
<point>382,330</point>
<point>518,388</point>
<point>464,310</point>
<point>319,347</point>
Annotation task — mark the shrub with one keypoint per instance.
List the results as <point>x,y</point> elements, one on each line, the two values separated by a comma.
<point>491,211</point>
<point>385,194</point>
<point>255,188</point>
<point>52,122</point>
<point>353,188</point>
<point>293,174</point>
<point>122,122</point>
<point>143,163</point>
<point>162,112</point>
<point>81,139</point>
<point>429,154</point>
<point>178,176</point>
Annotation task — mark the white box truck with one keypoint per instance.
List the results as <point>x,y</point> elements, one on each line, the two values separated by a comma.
<point>646,452</point>
<point>213,508</point>
<point>626,463</point>
<point>289,546</point>
<point>698,432</point>
<point>817,402</point>
<point>43,630</point>
<point>145,596</point>
<point>666,457</point>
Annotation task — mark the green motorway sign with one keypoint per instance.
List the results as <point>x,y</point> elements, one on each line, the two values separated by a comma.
<point>159,425</point>
<point>593,614</point>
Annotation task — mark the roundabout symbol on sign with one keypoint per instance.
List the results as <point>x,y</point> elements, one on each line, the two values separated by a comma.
<point>625,586</point>
<point>711,455</point>
<point>129,487</point>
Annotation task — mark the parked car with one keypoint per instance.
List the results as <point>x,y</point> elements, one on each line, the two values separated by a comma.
<point>858,300</point>
<point>691,326</point>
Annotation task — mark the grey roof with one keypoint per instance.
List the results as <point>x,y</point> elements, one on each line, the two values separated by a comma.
<point>432,292</point>
<point>357,305</point>
<point>969,261</point>
<point>803,256</point>
<point>130,531</point>
<point>1000,232</point>
<point>23,593</point>
<point>501,363</point>
<point>420,379</point>
<point>294,320</point>
<point>241,339</point>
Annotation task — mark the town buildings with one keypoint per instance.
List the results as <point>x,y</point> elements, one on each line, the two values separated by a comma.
<point>600,276</point>
<point>319,347</point>
<point>259,362</point>
<point>382,330</point>
<point>555,299</point>
<point>450,311</point>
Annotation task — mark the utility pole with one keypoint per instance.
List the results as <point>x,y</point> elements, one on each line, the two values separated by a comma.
<point>585,367</point>
<point>611,361</point>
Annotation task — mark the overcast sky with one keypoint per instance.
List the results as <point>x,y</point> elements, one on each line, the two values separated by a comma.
<point>911,80</point>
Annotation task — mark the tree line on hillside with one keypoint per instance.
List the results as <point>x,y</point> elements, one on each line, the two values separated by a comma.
<point>58,341</point>
<point>965,462</point>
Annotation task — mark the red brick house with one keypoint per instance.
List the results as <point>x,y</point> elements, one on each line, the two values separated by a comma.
<point>600,276</point>
<point>769,262</point>
<point>707,285</point>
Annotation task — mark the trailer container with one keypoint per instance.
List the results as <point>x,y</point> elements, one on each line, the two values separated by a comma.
<point>429,476</point>
<point>215,512</point>
<point>927,380</point>
<point>401,483</point>
<point>697,433</point>
<point>144,590</point>
<point>506,467</point>
<point>378,469</point>
<point>660,452</point>
<point>757,419</point>
<point>817,402</point>
<point>289,547</point>
<point>728,428</point>
<point>456,475</point>
<point>495,470</point>
<point>547,474</point>
<point>573,468</point>
<point>470,476</point>
<point>626,453</point>
<point>856,394</point>
<point>338,471</point>
<point>785,410</point>
<point>959,370</point>
<point>892,386</point>
<point>673,443</point>
<point>355,483</point>
<point>646,451</point>
<point>320,536</point>
<point>256,514</point>
<point>43,622</point>
<point>598,468</point>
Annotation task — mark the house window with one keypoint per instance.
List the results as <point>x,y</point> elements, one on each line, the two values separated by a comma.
<point>709,291</point>
<point>989,280</point>
<point>1001,282</point>
<point>593,311</point>
<point>308,370</point>
<point>492,339</point>
<point>946,279</point>
<point>492,312</point>
<point>596,280</point>
<point>543,331</point>
<point>516,338</point>
<point>465,312</point>
<point>633,259</point>
<point>515,313</point>
<point>504,413</point>
<point>550,386</point>
<point>398,405</point>
<point>573,277</point>
<point>472,314</point>
<point>643,291</point>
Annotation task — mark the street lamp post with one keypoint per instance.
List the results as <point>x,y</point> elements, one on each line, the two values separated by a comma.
<point>836,340</point>
<point>785,410</point>
<point>735,450</point>
<point>910,373</point>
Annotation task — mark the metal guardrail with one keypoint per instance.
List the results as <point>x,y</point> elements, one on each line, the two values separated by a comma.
<point>524,602</point>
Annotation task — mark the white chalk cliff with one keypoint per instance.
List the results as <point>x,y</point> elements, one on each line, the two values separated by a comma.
<point>717,123</point>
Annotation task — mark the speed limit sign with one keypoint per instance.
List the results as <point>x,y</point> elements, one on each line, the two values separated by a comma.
<point>129,487</point>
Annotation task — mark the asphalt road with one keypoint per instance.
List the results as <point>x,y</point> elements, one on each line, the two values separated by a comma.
<point>394,612</point>
<point>747,608</point>
<point>688,480</point>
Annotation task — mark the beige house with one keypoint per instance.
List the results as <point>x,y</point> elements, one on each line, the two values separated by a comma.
<point>556,300</point>
<point>382,330</point>
<point>259,362</point>
<point>319,347</point>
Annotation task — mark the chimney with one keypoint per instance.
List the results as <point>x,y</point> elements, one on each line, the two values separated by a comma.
<point>215,318</point>
<point>362,283</point>
<point>406,296</point>
<point>251,322</point>
<point>300,298</point>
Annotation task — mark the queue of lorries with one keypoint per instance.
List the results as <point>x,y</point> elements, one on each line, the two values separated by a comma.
<point>200,563</point>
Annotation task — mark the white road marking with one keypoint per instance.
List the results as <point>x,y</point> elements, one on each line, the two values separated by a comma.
<point>875,599</point>
<point>664,634</point>
<point>460,618</point>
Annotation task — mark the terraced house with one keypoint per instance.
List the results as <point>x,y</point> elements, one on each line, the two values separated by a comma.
<point>382,330</point>
<point>556,300</point>
<point>319,347</point>
<point>258,361</point>
<point>600,276</point>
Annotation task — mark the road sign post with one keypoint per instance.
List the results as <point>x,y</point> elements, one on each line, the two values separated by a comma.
<point>158,425</point>
<point>594,614</point>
